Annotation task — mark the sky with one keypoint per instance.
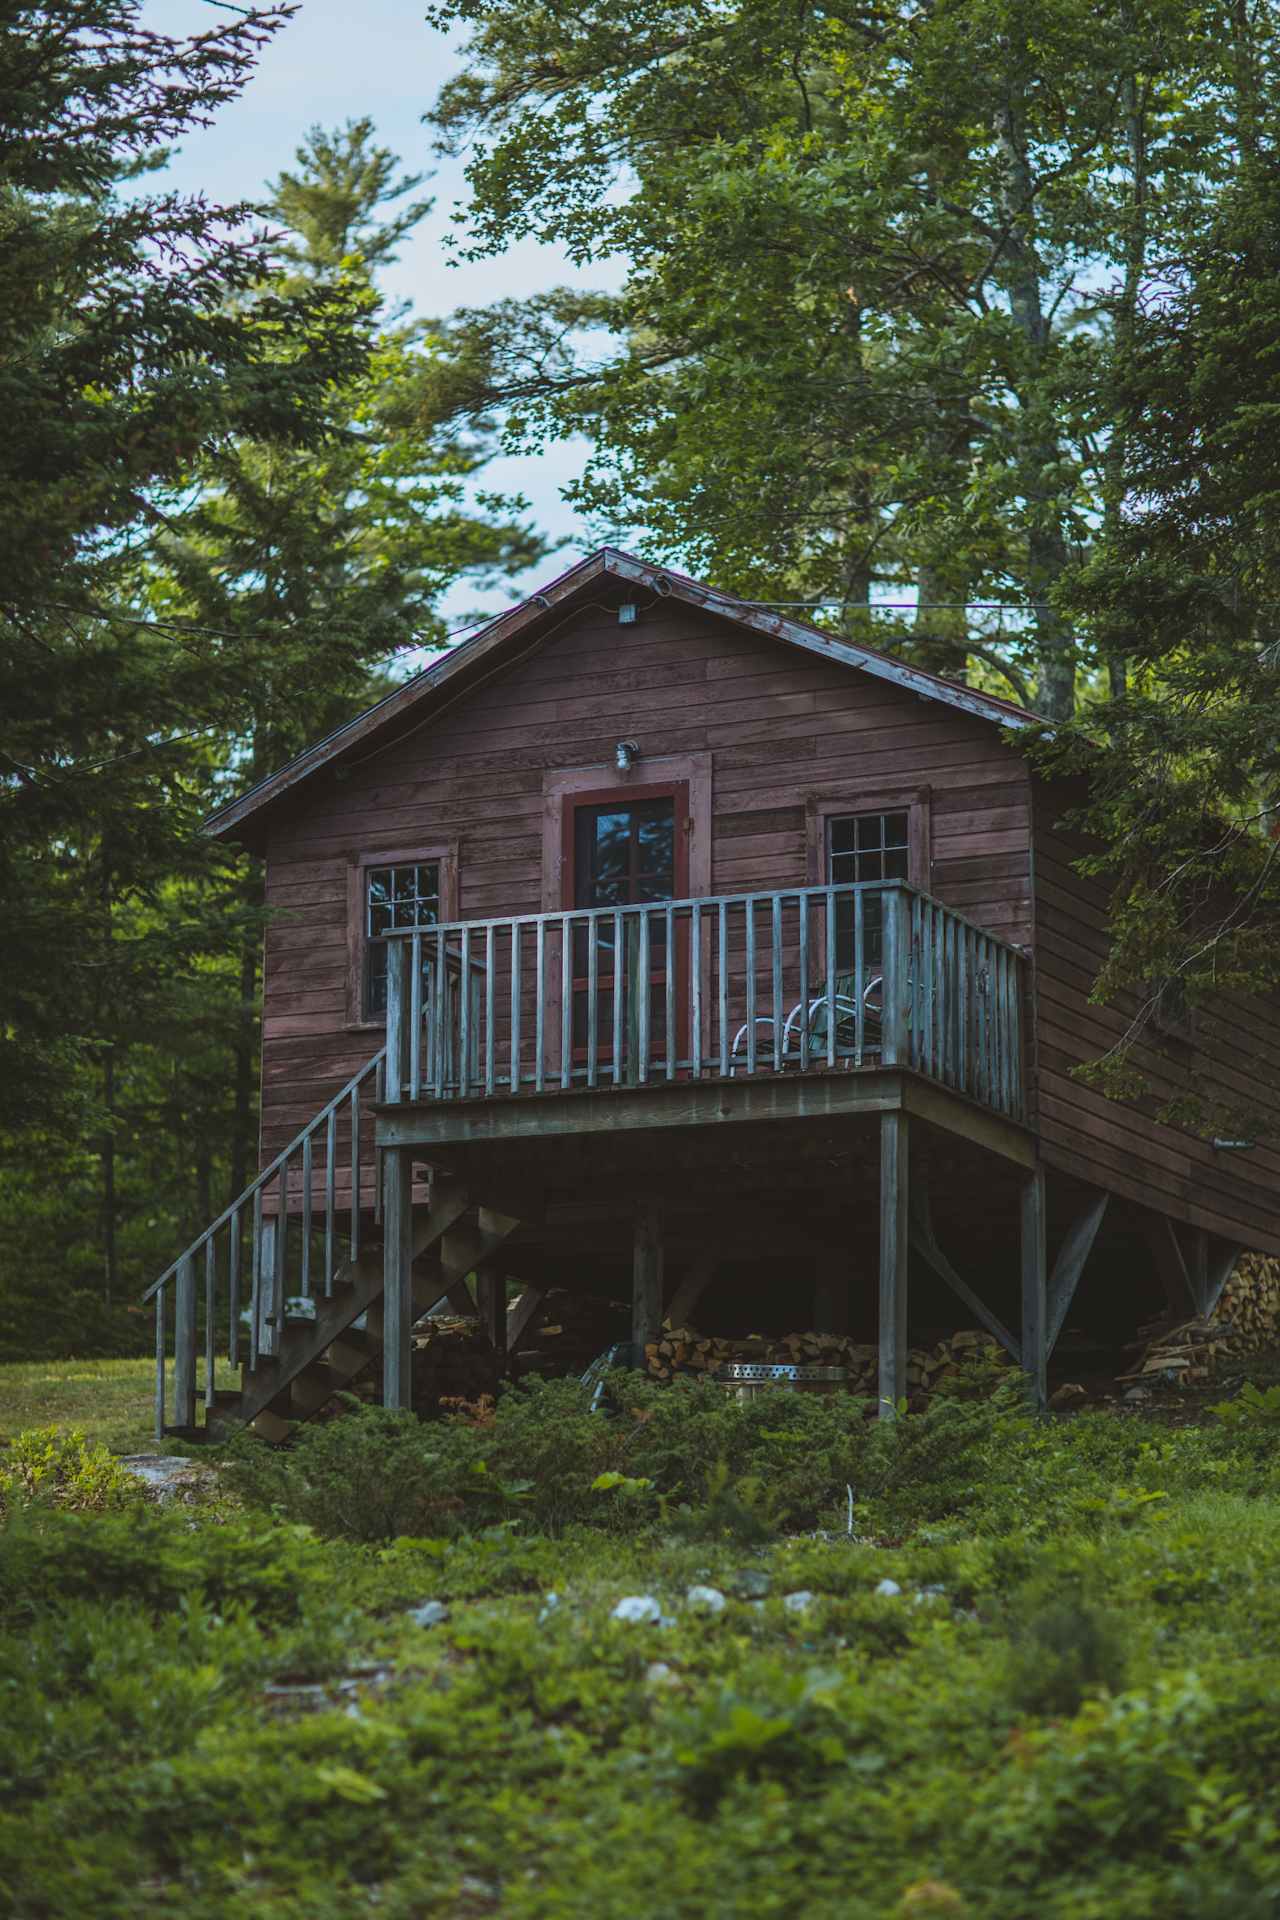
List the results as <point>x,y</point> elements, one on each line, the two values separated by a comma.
<point>337,62</point>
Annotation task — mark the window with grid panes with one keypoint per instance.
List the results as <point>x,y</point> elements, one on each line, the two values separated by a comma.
<point>397,899</point>
<point>865,847</point>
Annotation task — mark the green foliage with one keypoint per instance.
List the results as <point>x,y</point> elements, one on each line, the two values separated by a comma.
<point>226,507</point>
<point>55,1466</point>
<point>216,1707</point>
<point>1065,1647</point>
<point>879,269</point>
<point>1252,1406</point>
<point>786,1464</point>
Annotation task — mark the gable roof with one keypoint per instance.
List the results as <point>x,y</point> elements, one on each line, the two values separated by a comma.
<point>497,644</point>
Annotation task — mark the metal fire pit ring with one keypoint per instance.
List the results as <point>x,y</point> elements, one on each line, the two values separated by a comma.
<point>746,1379</point>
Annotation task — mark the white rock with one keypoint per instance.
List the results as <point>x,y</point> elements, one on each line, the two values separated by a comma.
<point>798,1602</point>
<point>929,1593</point>
<point>639,1609</point>
<point>550,1605</point>
<point>705,1600</point>
<point>432,1613</point>
<point>659,1674</point>
<point>888,1590</point>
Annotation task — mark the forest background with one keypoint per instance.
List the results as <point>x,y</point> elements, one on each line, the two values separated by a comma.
<point>956,324</point>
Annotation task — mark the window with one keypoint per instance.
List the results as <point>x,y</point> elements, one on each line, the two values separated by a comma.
<point>864,847</point>
<point>396,900</point>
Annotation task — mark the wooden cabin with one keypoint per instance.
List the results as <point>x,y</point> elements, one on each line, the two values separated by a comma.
<point>652,941</point>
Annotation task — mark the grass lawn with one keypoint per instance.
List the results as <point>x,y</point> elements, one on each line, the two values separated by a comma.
<point>110,1401</point>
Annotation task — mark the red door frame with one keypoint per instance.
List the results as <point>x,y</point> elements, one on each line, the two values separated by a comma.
<point>677,791</point>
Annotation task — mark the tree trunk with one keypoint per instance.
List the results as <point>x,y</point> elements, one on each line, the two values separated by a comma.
<point>1134,250</point>
<point>1046,542</point>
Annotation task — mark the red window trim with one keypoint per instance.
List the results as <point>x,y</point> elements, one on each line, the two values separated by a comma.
<point>651,777</point>
<point>677,790</point>
<point>444,853</point>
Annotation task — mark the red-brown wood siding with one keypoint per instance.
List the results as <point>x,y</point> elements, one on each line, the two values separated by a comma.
<point>1235,1055</point>
<point>781,728</point>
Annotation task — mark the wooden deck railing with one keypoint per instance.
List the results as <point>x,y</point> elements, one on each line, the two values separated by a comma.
<point>806,979</point>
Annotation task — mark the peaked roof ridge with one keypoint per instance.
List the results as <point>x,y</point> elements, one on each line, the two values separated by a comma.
<point>454,662</point>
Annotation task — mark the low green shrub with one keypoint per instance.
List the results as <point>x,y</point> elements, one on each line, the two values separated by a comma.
<point>49,1466</point>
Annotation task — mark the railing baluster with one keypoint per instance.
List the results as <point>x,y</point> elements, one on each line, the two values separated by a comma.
<point>669,1009</point>
<point>465,1028</point>
<point>894,977</point>
<point>233,1290</point>
<point>281,1279</point>
<point>539,987</point>
<point>306,1217</point>
<point>619,1041</point>
<point>751,984</point>
<point>355,1173</point>
<point>962,1009</point>
<point>859,976</point>
<point>830,931</point>
<point>642,996</point>
<point>939,993</point>
<point>440,1016</point>
<point>415,1017</point>
<point>160,1359</point>
<point>210,1318</point>
<point>593,997</point>
<point>566,1001</point>
<point>802,937</point>
<point>695,990</point>
<point>330,1155</point>
<point>775,977</point>
<point>490,959</point>
<point>255,1285</point>
<point>722,985</point>
<point>515,1009</point>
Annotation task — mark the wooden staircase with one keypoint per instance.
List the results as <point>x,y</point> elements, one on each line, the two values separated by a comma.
<point>318,1356</point>
<point>315,1306</point>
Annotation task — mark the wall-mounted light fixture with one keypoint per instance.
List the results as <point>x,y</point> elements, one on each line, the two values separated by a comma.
<point>624,753</point>
<point>627,613</point>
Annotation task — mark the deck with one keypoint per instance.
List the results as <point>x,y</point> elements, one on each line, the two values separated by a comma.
<point>492,1023</point>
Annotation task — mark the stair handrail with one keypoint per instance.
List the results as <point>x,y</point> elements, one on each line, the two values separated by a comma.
<point>263,1179</point>
<point>268,1255</point>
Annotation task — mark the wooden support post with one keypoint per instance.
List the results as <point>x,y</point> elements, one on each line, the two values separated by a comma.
<point>1222,1264</point>
<point>524,1310</point>
<point>831,1292</point>
<point>1069,1265</point>
<point>1170,1263</point>
<point>397,1278</point>
<point>895,1200</point>
<point>184,1345</point>
<point>1035,1284</point>
<point>491,1299</point>
<point>646,1274</point>
<point>924,1241</point>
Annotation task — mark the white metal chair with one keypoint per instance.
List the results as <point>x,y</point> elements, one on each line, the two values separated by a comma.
<point>846,1011</point>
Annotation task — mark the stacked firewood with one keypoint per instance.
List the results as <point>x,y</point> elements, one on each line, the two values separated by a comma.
<point>683,1350</point>
<point>1194,1352</point>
